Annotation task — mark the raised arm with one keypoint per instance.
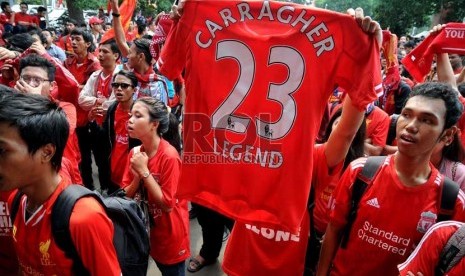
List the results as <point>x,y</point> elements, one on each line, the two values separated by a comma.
<point>120,37</point>
<point>342,136</point>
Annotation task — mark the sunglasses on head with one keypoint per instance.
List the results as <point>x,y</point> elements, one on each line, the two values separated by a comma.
<point>120,84</point>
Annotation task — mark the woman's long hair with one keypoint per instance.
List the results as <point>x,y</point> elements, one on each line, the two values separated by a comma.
<point>356,149</point>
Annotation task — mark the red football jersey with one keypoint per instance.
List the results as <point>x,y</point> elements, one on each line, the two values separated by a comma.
<point>377,125</point>
<point>8,261</point>
<point>391,219</point>
<point>261,251</point>
<point>90,228</point>
<point>169,237</point>
<point>426,255</point>
<point>324,181</point>
<point>119,154</point>
<point>258,76</point>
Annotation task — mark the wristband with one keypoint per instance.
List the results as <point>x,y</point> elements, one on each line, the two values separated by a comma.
<point>115,14</point>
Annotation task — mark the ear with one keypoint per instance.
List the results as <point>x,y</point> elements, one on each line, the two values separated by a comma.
<point>155,124</point>
<point>448,135</point>
<point>53,85</point>
<point>47,152</point>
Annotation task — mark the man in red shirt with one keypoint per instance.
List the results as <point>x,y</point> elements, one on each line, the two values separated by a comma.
<point>23,20</point>
<point>64,42</point>
<point>377,122</point>
<point>30,163</point>
<point>95,98</point>
<point>402,201</point>
<point>427,254</point>
<point>7,18</point>
<point>81,65</point>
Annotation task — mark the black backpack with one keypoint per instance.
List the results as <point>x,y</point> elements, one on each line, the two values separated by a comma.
<point>130,238</point>
<point>448,195</point>
<point>452,253</point>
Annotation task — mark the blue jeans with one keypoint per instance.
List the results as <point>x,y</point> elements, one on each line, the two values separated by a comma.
<point>178,269</point>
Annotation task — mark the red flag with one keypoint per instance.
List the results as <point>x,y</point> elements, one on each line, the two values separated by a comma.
<point>389,47</point>
<point>126,10</point>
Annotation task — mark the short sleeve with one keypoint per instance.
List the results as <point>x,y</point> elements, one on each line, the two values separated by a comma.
<point>359,68</point>
<point>169,179</point>
<point>381,129</point>
<point>426,255</point>
<point>174,53</point>
<point>128,176</point>
<point>92,233</point>
<point>343,194</point>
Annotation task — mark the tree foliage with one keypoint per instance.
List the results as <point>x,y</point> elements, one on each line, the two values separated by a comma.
<point>342,5</point>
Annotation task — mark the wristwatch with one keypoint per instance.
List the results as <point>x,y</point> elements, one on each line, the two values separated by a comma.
<point>145,175</point>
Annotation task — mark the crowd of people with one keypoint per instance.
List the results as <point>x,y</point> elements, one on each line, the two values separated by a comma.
<point>70,98</point>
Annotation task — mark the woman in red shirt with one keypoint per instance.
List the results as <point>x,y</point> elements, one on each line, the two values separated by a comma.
<point>154,169</point>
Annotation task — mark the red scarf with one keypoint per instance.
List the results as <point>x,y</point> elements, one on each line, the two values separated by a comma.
<point>450,40</point>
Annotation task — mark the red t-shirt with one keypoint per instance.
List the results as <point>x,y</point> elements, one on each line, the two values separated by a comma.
<point>72,152</point>
<point>5,18</point>
<point>257,84</point>
<point>426,255</point>
<point>324,181</point>
<point>103,88</point>
<point>258,251</point>
<point>91,231</point>
<point>391,219</point>
<point>377,125</point>
<point>8,261</point>
<point>82,72</point>
<point>119,154</point>
<point>24,19</point>
<point>169,237</point>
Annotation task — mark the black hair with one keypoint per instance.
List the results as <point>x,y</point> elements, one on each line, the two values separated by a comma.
<point>19,42</point>
<point>24,3</point>
<point>4,4</point>
<point>39,121</point>
<point>158,112</point>
<point>143,46</point>
<point>35,60</point>
<point>357,146</point>
<point>445,92</point>
<point>72,21</point>
<point>41,9</point>
<point>128,74</point>
<point>454,151</point>
<point>87,36</point>
<point>172,135</point>
<point>39,33</point>
<point>113,46</point>
<point>461,88</point>
<point>141,28</point>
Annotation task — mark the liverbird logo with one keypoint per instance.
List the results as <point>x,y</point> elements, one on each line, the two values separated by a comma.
<point>43,248</point>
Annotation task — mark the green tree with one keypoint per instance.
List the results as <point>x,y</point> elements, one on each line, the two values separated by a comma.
<point>342,5</point>
<point>75,7</point>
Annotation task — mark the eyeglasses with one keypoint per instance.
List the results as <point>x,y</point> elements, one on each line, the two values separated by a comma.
<point>120,84</point>
<point>33,81</point>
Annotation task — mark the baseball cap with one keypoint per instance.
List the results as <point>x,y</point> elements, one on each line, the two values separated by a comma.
<point>94,20</point>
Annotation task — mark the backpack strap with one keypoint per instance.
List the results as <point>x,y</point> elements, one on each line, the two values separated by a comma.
<point>15,205</point>
<point>364,178</point>
<point>453,252</point>
<point>392,129</point>
<point>61,214</point>
<point>448,197</point>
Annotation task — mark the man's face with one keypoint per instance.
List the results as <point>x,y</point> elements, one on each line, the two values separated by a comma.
<point>37,78</point>
<point>23,8</point>
<point>7,8</point>
<point>420,126</point>
<point>455,61</point>
<point>48,36</point>
<point>69,26</point>
<point>79,44</point>
<point>96,27</point>
<point>133,56</point>
<point>17,166</point>
<point>106,56</point>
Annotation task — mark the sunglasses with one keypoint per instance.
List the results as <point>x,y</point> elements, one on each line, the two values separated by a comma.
<point>120,84</point>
